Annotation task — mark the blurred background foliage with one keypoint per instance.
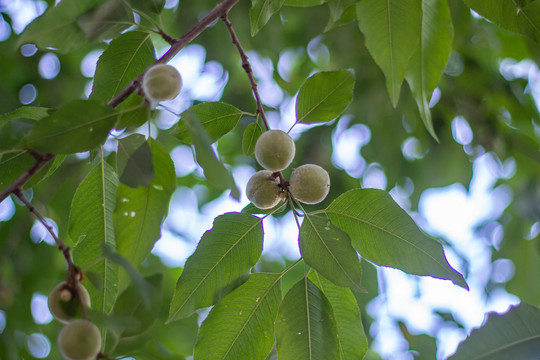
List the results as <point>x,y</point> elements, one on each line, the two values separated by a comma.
<point>484,104</point>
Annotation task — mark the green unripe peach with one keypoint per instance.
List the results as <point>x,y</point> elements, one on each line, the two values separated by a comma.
<point>63,304</point>
<point>263,190</point>
<point>274,150</point>
<point>79,340</point>
<point>309,184</point>
<point>161,82</point>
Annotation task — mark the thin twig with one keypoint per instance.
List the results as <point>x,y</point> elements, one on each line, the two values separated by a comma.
<point>178,44</point>
<point>73,270</point>
<point>41,161</point>
<point>247,68</point>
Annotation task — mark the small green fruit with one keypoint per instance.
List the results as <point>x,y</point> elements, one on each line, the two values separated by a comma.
<point>79,340</point>
<point>275,150</point>
<point>309,184</point>
<point>262,190</point>
<point>63,305</point>
<point>161,82</point>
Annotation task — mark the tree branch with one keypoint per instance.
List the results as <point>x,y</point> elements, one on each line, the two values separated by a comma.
<point>41,161</point>
<point>178,44</point>
<point>247,68</point>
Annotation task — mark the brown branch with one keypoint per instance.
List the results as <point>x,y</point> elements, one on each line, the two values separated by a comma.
<point>73,270</point>
<point>247,68</point>
<point>41,161</point>
<point>178,44</point>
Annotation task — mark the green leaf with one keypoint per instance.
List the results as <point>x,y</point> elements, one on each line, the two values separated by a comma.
<point>303,3</point>
<point>134,161</point>
<point>131,304</point>
<point>324,96</point>
<point>133,112</point>
<point>261,11</point>
<point>305,325</point>
<point>218,176</point>
<point>217,118</point>
<point>140,211</point>
<point>341,12</point>
<point>91,227</point>
<point>392,30</point>
<point>352,339</point>
<point>57,28</point>
<point>328,250</point>
<point>430,58</point>
<point>106,21</point>
<point>26,112</point>
<point>241,326</point>
<point>125,58</point>
<point>78,125</point>
<point>385,234</point>
<point>152,6</point>
<point>12,133</point>
<point>251,134</point>
<point>223,257</point>
<point>514,335</point>
<point>13,165</point>
<point>511,15</point>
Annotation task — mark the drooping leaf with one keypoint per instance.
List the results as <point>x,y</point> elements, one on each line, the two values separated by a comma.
<point>385,234</point>
<point>131,303</point>
<point>261,11</point>
<point>106,21</point>
<point>324,96</point>
<point>352,339</point>
<point>217,175</point>
<point>305,325</point>
<point>140,211</point>
<point>303,3</point>
<point>514,335</point>
<point>430,58</point>
<point>78,125</point>
<point>134,161</point>
<point>148,6</point>
<point>241,325</point>
<point>251,134</point>
<point>328,250</point>
<point>125,58</point>
<point>12,133</point>
<point>511,15</point>
<point>392,30</point>
<point>91,227</point>
<point>224,255</point>
<point>57,28</point>
<point>217,118</point>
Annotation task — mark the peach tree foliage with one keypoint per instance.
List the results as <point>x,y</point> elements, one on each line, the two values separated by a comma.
<point>386,58</point>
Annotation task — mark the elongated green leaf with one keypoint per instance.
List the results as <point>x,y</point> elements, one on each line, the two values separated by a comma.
<point>12,133</point>
<point>261,11</point>
<point>305,325</point>
<point>131,304</point>
<point>341,12</point>
<point>328,250</point>
<point>57,27</point>
<point>385,234</point>
<point>134,161</point>
<point>392,31</point>
<point>224,255</point>
<point>78,125</point>
<point>133,112</point>
<point>217,175</point>
<point>151,6</point>
<point>241,326</point>
<point>91,227</point>
<point>511,14</point>
<point>251,134</point>
<point>13,165</point>
<point>106,21</point>
<point>125,58</point>
<point>26,112</point>
<point>430,58</point>
<point>351,336</point>
<point>217,118</point>
<point>514,335</point>
<point>324,96</point>
<point>140,211</point>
